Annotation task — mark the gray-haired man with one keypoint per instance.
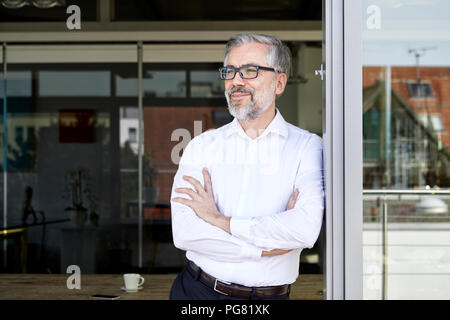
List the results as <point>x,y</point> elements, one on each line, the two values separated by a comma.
<point>248,196</point>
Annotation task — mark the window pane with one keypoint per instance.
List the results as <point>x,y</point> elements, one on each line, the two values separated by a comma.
<point>422,90</point>
<point>74,83</point>
<point>206,84</point>
<point>164,84</point>
<point>437,123</point>
<point>19,84</point>
<point>156,84</point>
<point>63,160</point>
<point>406,67</point>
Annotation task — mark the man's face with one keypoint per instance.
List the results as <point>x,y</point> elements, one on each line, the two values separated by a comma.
<point>249,98</point>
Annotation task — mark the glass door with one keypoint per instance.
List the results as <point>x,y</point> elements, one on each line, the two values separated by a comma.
<point>406,113</point>
<point>386,136</point>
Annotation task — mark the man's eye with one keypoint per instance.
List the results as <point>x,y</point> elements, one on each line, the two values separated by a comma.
<point>250,69</point>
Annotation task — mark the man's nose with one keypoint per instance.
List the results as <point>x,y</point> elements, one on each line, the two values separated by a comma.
<point>237,80</point>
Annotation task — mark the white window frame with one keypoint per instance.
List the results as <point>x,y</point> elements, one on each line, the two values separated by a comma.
<point>342,25</point>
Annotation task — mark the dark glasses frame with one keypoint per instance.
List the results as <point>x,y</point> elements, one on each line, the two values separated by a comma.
<point>223,73</point>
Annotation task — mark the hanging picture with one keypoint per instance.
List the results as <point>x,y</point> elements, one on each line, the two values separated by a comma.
<point>76,126</point>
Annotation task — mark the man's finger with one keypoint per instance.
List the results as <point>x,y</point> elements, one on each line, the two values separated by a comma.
<point>191,193</point>
<point>207,179</point>
<point>274,252</point>
<point>197,185</point>
<point>292,200</point>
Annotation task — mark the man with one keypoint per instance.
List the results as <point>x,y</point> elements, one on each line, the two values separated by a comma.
<point>248,196</point>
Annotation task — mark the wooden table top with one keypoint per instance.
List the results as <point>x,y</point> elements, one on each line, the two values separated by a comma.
<point>156,287</point>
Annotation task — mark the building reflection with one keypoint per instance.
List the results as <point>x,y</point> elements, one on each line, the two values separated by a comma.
<point>406,144</point>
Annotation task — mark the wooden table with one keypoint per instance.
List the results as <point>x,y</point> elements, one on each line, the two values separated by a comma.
<point>156,287</point>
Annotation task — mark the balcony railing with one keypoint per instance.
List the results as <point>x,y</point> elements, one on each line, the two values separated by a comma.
<point>390,194</point>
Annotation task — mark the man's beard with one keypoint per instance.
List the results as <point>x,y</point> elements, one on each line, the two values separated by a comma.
<point>257,105</point>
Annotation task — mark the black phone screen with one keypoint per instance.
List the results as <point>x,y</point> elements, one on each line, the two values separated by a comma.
<point>104,297</point>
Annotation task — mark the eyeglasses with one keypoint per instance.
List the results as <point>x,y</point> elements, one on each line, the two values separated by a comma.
<point>246,72</point>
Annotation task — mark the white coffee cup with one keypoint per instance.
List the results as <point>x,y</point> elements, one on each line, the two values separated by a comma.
<point>133,281</point>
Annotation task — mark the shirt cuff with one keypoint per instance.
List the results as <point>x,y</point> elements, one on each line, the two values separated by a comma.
<point>240,228</point>
<point>251,252</point>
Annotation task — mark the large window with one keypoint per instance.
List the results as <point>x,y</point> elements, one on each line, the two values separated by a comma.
<point>406,67</point>
<point>72,155</point>
<point>74,131</point>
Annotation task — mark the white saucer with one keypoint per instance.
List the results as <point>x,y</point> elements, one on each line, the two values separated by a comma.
<point>125,289</point>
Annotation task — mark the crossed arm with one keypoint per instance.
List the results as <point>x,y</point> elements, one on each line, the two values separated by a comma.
<point>203,204</point>
<point>199,226</point>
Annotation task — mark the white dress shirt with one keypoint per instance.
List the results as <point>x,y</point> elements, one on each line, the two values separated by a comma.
<point>252,181</point>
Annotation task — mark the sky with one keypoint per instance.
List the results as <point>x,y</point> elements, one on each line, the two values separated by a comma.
<point>402,25</point>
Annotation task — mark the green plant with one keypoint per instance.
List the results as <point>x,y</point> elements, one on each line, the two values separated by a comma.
<point>78,187</point>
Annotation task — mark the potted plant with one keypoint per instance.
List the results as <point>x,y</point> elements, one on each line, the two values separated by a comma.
<point>76,188</point>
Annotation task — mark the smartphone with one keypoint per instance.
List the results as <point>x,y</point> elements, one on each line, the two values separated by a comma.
<point>104,297</point>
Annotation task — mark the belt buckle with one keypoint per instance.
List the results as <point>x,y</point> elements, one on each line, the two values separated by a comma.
<point>217,290</point>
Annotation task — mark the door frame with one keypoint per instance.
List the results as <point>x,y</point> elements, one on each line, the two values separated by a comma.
<point>342,25</point>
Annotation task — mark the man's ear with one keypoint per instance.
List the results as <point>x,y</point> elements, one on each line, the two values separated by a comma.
<point>281,84</point>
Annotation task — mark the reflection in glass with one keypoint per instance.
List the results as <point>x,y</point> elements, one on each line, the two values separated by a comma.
<point>19,84</point>
<point>206,84</point>
<point>164,84</point>
<point>163,146</point>
<point>74,83</point>
<point>418,146</point>
<point>156,84</point>
<point>406,151</point>
<point>73,154</point>
<point>167,130</point>
<point>129,176</point>
<point>58,153</point>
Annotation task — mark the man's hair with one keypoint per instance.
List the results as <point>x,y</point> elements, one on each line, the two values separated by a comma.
<point>278,54</point>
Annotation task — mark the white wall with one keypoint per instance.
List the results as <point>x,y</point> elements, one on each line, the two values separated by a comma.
<point>310,94</point>
<point>301,103</point>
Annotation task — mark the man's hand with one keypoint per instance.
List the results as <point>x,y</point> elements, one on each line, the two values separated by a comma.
<point>290,205</point>
<point>274,252</point>
<point>292,200</point>
<point>203,204</point>
<point>202,201</point>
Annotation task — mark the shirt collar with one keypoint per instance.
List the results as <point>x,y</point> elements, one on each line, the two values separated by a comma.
<point>277,125</point>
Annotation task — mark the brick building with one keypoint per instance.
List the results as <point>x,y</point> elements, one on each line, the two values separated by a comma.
<point>419,132</point>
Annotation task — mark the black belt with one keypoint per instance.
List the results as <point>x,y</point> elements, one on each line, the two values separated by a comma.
<point>236,290</point>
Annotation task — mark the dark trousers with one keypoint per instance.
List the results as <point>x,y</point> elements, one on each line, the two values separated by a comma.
<point>189,286</point>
